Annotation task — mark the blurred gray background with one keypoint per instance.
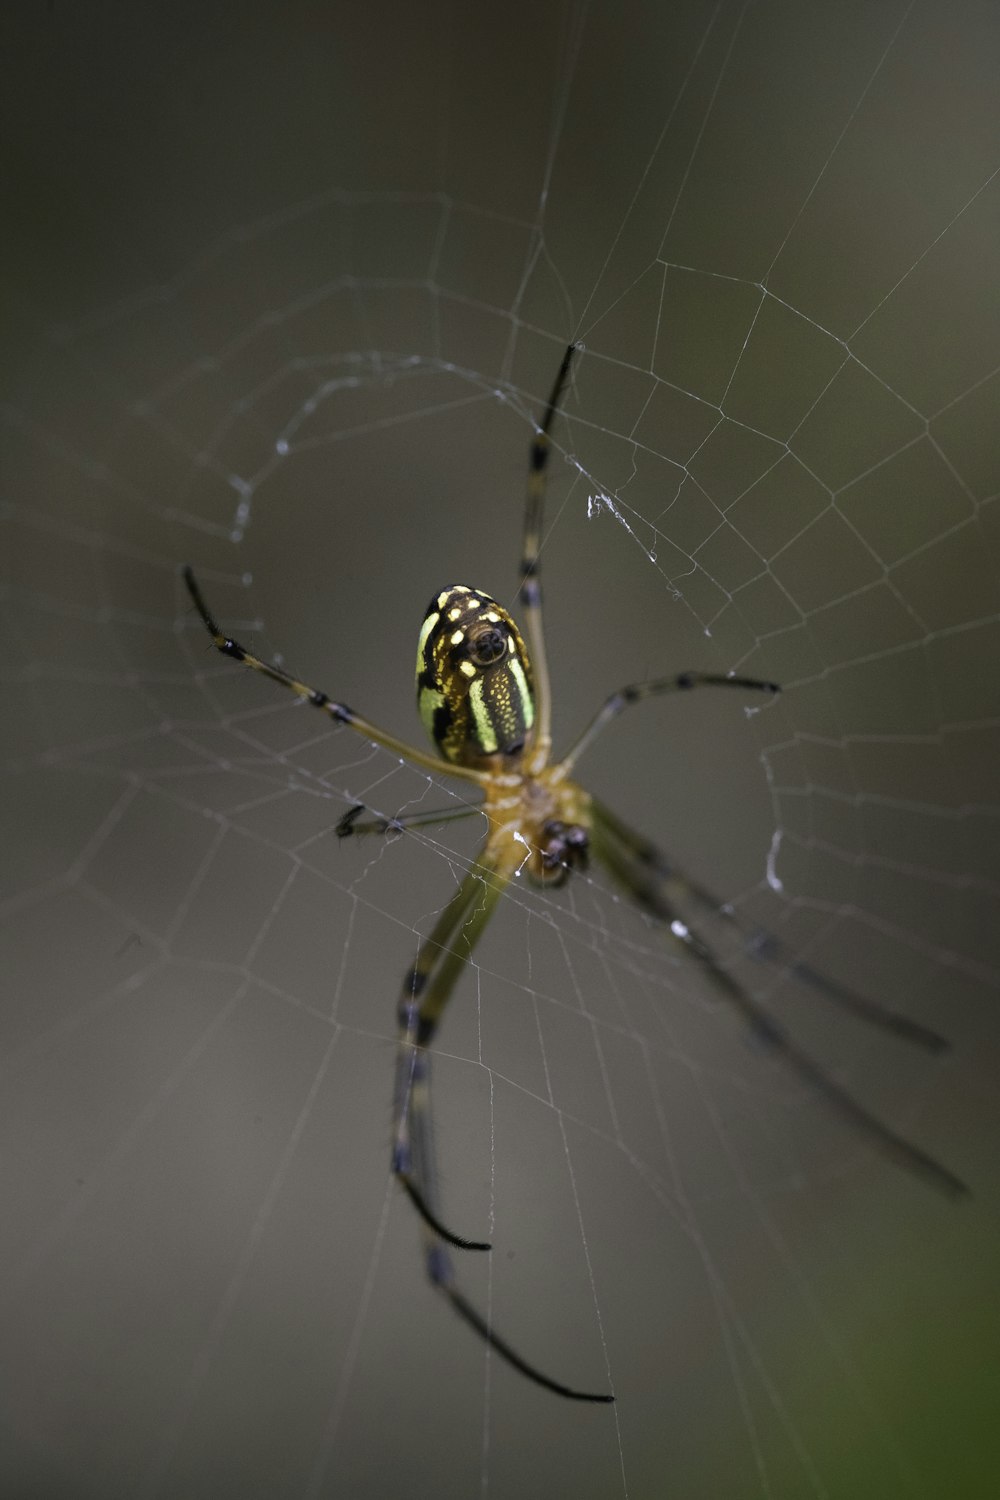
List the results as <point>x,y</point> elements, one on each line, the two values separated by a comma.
<point>284,288</point>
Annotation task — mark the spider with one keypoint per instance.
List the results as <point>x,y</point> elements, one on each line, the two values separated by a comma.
<point>485,700</point>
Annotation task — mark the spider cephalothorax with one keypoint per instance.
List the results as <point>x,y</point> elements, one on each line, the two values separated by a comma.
<point>486,706</point>
<point>563,848</point>
<point>539,823</point>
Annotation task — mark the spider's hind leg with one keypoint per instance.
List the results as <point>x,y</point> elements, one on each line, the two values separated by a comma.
<point>353,823</point>
<point>427,989</point>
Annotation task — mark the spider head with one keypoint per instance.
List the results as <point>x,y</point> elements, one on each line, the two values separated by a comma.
<point>563,849</point>
<point>474,683</point>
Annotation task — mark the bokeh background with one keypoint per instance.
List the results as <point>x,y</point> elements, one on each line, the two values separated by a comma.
<point>284,288</point>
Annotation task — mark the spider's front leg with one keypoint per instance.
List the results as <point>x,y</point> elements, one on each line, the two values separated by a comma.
<point>427,989</point>
<point>758,943</point>
<point>530,593</point>
<point>654,886</point>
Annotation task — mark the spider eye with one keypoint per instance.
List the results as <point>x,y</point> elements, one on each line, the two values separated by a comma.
<point>474,685</point>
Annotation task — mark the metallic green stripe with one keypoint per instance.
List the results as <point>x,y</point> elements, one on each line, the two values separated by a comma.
<point>527,701</point>
<point>485,733</point>
<point>429,701</point>
<point>430,620</point>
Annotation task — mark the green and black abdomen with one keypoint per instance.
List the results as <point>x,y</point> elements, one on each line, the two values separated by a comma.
<point>474,687</point>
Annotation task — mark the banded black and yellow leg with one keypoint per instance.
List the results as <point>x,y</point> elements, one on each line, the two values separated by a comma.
<point>531,587</point>
<point>352,821</point>
<point>428,986</point>
<point>683,682</point>
<point>648,888</point>
<point>337,711</point>
<point>758,943</point>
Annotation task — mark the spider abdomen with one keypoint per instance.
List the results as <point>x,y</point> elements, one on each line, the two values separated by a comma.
<point>474,681</point>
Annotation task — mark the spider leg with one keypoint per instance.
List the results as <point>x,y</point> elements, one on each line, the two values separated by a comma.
<point>475,1320</point>
<point>349,823</point>
<point>635,692</point>
<point>426,991</point>
<point>337,711</point>
<point>762,945</point>
<point>531,588</point>
<point>650,889</point>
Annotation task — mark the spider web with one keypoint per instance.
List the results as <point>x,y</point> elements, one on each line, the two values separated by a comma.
<point>284,298</point>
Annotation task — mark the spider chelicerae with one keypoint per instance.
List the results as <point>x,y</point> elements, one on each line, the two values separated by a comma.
<point>485,701</point>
